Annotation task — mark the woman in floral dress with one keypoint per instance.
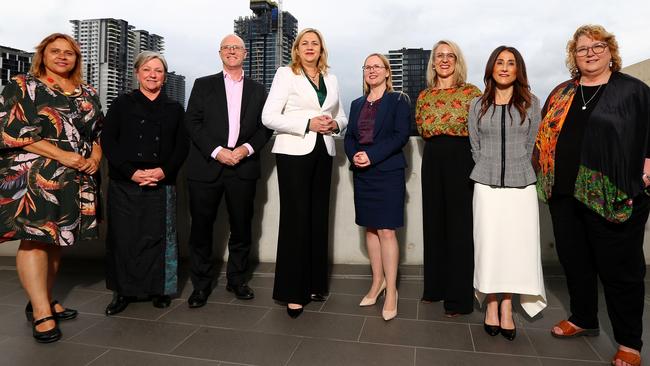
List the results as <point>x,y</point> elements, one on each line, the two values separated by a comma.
<point>49,152</point>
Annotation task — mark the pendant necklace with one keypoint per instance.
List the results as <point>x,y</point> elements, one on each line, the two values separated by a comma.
<point>582,94</point>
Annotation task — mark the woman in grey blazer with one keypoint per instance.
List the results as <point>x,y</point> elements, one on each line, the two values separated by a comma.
<point>502,126</point>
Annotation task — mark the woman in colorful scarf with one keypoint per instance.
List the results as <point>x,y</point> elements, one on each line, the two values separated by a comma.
<point>591,158</point>
<point>49,154</point>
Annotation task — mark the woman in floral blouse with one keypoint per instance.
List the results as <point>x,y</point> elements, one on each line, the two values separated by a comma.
<point>49,152</point>
<point>441,117</point>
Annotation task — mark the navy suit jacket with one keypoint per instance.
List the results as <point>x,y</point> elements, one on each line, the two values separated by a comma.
<point>206,121</point>
<point>391,132</point>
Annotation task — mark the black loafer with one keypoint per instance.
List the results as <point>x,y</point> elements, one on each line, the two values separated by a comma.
<point>66,314</point>
<point>318,297</point>
<point>242,292</point>
<point>161,301</point>
<point>509,334</point>
<point>48,336</point>
<point>118,305</point>
<point>198,298</point>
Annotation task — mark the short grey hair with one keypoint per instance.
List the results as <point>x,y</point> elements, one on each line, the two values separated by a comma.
<point>146,56</point>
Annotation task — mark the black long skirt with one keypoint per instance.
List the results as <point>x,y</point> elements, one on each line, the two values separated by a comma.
<point>141,242</point>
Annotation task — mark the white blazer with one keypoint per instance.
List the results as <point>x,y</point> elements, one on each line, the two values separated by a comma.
<point>291,102</point>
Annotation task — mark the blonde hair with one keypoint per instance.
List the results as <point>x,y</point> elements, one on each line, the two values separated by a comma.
<point>389,79</point>
<point>598,33</point>
<point>296,62</point>
<point>146,56</point>
<point>38,66</point>
<point>460,70</point>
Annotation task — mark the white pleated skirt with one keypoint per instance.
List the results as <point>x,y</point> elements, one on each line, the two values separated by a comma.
<point>507,245</point>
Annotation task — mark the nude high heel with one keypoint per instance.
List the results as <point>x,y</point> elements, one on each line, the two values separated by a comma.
<point>390,314</point>
<point>369,301</point>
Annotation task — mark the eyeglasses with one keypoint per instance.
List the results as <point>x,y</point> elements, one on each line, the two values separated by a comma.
<point>372,67</point>
<point>448,56</point>
<point>597,49</point>
<point>232,48</point>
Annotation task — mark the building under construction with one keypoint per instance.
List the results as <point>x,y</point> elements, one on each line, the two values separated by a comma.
<point>267,48</point>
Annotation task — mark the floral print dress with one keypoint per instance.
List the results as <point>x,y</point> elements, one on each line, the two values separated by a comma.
<point>41,199</point>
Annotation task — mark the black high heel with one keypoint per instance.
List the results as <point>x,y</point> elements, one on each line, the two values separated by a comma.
<point>490,329</point>
<point>48,336</point>
<point>66,314</point>
<point>294,313</point>
<point>508,334</point>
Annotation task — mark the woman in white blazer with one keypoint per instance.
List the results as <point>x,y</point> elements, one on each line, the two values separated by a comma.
<point>305,110</point>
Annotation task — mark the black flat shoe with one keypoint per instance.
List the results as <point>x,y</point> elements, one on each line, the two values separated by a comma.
<point>294,313</point>
<point>161,301</point>
<point>490,329</point>
<point>318,297</point>
<point>117,306</point>
<point>66,314</point>
<point>509,334</point>
<point>48,336</point>
<point>198,298</point>
<point>242,292</point>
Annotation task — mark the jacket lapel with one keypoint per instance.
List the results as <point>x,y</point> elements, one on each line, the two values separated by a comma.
<point>245,98</point>
<point>222,102</point>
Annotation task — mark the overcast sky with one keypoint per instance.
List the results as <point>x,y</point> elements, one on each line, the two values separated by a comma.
<point>354,28</point>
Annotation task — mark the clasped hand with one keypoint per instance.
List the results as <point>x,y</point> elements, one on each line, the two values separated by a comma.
<point>148,177</point>
<point>361,159</point>
<point>322,124</point>
<point>75,161</point>
<point>232,157</point>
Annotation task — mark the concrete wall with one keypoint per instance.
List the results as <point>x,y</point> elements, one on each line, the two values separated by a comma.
<point>346,238</point>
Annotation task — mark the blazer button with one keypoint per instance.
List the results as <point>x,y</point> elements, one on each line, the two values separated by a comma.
<point>142,122</point>
<point>140,136</point>
<point>155,155</point>
<point>156,138</point>
<point>139,154</point>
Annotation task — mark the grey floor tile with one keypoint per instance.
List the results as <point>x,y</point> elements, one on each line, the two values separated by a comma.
<point>13,321</point>
<point>318,352</point>
<point>9,291</point>
<point>136,310</point>
<point>428,357</point>
<point>417,333</point>
<point>96,306</point>
<point>350,270</point>
<point>605,346</point>
<point>135,334</point>
<point>238,346</point>
<point>349,304</point>
<point>15,324</point>
<point>556,292</point>
<point>560,362</point>
<point>25,351</point>
<point>349,286</point>
<point>8,276</point>
<point>263,297</point>
<point>264,267</point>
<point>312,324</point>
<point>218,294</point>
<point>217,315</point>
<point>483,342</point>
<point>436,311</point>
<point>75,297</point>
<point>410,290</point>
<point>548,346</point>
<point>265,282</point>
<point>131,358</point>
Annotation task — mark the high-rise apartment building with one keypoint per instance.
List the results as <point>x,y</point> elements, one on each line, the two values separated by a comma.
<point>107,48</point>
<point>409,68</point>
<point>13,62</point>
<point>269,35</point>
<point>175,87</point>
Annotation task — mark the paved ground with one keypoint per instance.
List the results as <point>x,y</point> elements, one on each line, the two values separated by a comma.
<point>337,332</point>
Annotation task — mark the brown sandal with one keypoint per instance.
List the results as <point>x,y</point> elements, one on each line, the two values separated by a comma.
<point>569,331</point>
<point>627,357</point>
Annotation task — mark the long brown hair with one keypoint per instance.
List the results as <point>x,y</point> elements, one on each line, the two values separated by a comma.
<point>521,95</point>
<point>38,66</point>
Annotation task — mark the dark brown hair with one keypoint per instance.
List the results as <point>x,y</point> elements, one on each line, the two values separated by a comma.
<point>38,66</point>
<point>521,95</point>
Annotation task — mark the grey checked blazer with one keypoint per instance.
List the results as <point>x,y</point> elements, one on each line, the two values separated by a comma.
<point>493,167</point>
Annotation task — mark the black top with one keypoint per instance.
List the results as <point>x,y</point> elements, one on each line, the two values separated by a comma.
<point>569,143</point>
<point>140,133</point>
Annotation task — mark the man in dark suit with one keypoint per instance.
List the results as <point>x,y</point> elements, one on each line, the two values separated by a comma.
<point>223,119</point>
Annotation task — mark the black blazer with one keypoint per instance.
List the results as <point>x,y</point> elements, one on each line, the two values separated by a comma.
<point>206,121</point>
<point>391,132</point>
<point>143,134</point>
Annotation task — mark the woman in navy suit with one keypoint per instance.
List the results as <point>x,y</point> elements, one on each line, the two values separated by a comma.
<point>377,131</point>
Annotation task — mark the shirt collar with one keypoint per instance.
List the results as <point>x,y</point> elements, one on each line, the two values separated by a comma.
<point>226,75</point>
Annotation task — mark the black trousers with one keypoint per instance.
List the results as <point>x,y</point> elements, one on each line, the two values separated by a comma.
<point>301,262</point>
<point>590,247</point>
<point>204,204</point>
<point>447,223</point>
